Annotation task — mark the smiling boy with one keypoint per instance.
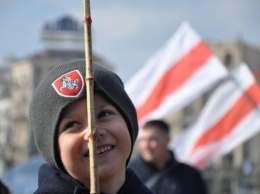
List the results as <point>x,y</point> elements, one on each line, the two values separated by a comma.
<point>58,116</point>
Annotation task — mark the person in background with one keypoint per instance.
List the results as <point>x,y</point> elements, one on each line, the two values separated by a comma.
<point>157,166</point>
<point>3,188</point>
<point>58,117</point>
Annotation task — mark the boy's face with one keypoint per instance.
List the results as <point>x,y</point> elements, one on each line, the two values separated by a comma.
<point>113,140</point>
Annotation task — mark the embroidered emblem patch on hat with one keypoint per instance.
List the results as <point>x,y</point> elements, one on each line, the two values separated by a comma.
<point>69,84</point>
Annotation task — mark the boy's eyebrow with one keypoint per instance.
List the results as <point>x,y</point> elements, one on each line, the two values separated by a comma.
<point>65,114</point>
<point>103,103</point>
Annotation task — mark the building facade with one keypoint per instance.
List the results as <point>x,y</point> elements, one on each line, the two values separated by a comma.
<point>6,106</point>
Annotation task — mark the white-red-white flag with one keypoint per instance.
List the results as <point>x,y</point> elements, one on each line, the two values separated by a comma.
<point>230,117</point>
<point>172,78</point>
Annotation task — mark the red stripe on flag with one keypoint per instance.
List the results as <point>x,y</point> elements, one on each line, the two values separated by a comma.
<point>243,106</point>
<point>176,76</point>
<point>202,161</point>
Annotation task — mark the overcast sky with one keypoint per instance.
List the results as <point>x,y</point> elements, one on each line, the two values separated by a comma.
<point>128,32</point>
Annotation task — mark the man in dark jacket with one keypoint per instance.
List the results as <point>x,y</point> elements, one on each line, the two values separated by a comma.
<point>157,166</point>
<point>3,188</point>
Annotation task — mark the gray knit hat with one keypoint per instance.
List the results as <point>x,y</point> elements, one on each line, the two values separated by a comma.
<point>64,85</point>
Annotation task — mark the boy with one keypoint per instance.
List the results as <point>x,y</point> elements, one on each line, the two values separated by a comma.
<point>58,117</point>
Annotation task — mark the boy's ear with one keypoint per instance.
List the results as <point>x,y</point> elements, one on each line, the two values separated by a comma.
<point>168,139</point>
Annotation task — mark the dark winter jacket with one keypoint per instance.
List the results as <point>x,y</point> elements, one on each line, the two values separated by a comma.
<point>176,178</point>
<point>53,181</point>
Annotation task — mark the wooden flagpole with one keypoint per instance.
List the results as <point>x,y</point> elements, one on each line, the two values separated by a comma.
<point>91,136</point>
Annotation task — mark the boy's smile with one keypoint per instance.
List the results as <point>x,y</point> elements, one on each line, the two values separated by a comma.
<point>101,149</point>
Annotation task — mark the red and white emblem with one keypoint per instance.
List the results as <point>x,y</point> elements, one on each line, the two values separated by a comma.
<point>69,84</point>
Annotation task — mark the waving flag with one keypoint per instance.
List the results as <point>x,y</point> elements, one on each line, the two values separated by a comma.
<point>230,117</point>
<point>178,73</point>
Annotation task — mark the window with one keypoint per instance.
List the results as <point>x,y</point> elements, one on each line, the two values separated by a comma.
<point>228,61</point>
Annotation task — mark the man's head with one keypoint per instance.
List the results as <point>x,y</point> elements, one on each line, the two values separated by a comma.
<point>64,85</point>
<point>153,141</point>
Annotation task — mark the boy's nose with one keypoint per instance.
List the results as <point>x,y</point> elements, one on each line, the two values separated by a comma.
<point>100,132</point>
